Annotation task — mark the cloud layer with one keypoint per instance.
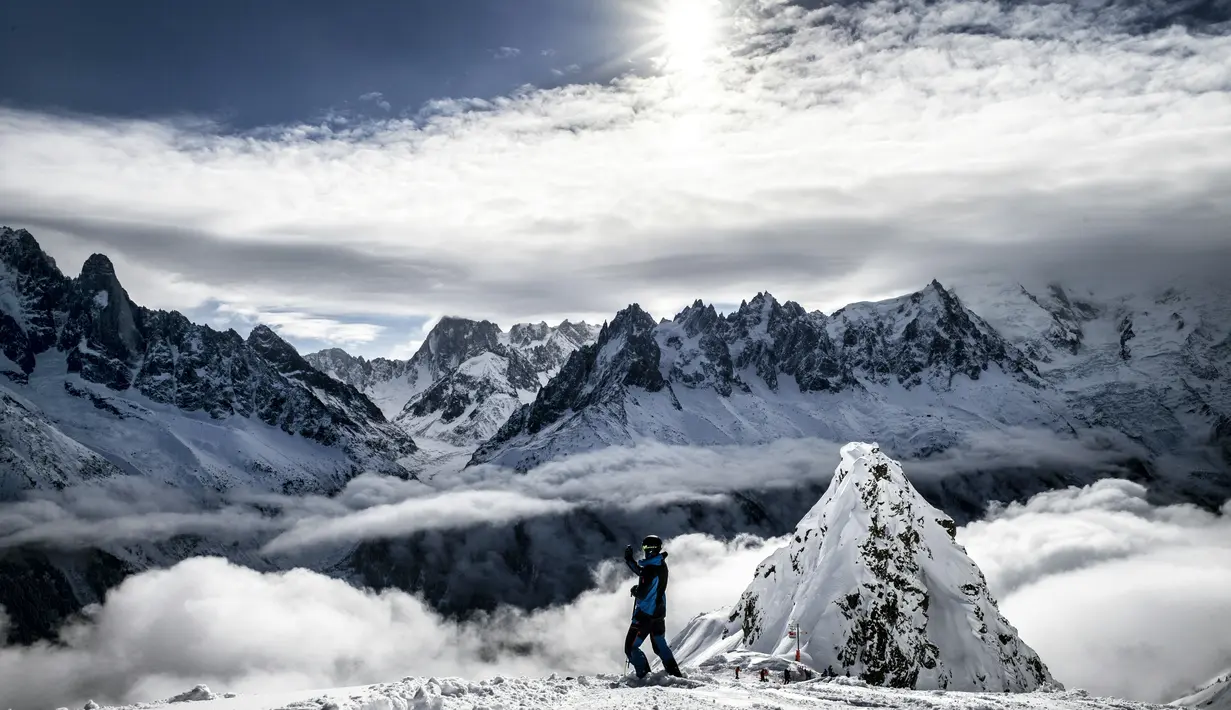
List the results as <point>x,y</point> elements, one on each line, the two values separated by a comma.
<point>1118,597</point>
<point>206,620</point>
<point>940,139</point>
<point>373,507</point>
<point>645,477</point>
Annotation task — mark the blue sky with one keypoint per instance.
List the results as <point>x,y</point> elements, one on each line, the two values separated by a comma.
<point>351,172</point>
<point>281,61</point>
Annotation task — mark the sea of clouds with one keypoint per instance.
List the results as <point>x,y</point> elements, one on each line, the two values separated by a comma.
<point>1119,596</point>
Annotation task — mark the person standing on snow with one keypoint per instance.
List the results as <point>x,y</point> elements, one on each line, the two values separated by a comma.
<point>650,612</point>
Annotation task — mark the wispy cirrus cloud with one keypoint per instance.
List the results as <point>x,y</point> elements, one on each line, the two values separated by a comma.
<point>826,154</point>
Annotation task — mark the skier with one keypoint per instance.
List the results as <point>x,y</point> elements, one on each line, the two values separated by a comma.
<point>650,611</point>
<point>764,675</point>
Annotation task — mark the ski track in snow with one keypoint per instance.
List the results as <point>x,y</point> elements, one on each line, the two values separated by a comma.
<point>657,692</point>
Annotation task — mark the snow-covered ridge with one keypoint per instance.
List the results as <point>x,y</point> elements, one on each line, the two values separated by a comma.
<point>921,373</point>
<point>916,372</point>
<point>880,590</point>
<point>1213,695</point>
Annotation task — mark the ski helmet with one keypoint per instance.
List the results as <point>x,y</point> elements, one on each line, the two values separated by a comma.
<point>651,544</point>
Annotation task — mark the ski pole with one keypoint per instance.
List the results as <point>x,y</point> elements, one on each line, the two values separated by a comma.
<point>626,655</point>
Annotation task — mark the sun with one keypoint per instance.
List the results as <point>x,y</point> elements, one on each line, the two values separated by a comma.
<point>688,32</point>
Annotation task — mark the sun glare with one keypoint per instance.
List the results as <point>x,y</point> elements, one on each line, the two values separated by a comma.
<point>689,32</point>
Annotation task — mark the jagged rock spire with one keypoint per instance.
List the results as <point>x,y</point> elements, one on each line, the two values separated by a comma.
<point>877,583</point>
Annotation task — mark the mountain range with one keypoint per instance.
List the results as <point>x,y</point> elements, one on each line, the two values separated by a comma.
<point>922,373</point>
<point>94,386</point>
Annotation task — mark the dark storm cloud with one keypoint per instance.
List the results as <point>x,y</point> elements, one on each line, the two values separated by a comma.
<point>212,258</point>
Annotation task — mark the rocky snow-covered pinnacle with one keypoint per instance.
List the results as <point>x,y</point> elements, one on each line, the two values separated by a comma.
<point>881,591</point>
<point>31,288</point>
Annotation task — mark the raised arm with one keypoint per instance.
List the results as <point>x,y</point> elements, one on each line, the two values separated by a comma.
<point>631,562</point>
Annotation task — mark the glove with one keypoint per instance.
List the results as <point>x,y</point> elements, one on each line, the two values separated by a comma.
<point>628,552</point>
<point>632,591</point>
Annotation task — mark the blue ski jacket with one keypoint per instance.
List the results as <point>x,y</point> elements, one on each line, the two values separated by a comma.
<point>651,589</point>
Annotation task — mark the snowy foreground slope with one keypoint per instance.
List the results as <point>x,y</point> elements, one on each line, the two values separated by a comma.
<point>701,690</point>
<point>881,591</point>
<point>1214,695</point>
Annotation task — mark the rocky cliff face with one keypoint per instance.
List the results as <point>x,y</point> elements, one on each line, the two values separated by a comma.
<point>880,590</point>
<point>547,348</point>
<point>125,361</point>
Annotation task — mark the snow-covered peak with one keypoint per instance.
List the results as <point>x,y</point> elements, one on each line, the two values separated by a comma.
<point>454,340</point>
<point>525,333</point>
<point>757,319</point>
<point>31,289</point>
<point>600,375</point>
<point>631,321</point>
<point>547,348</point>
<point>266,338</point>
<point>878,587</point>
<point>17,245</point>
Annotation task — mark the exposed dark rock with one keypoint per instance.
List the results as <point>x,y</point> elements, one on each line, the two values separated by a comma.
<point>110,341</point>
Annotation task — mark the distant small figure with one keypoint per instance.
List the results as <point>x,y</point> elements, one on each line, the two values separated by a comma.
<point>737,673</point>
<point>786,675</point>
<point>764,675</point>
